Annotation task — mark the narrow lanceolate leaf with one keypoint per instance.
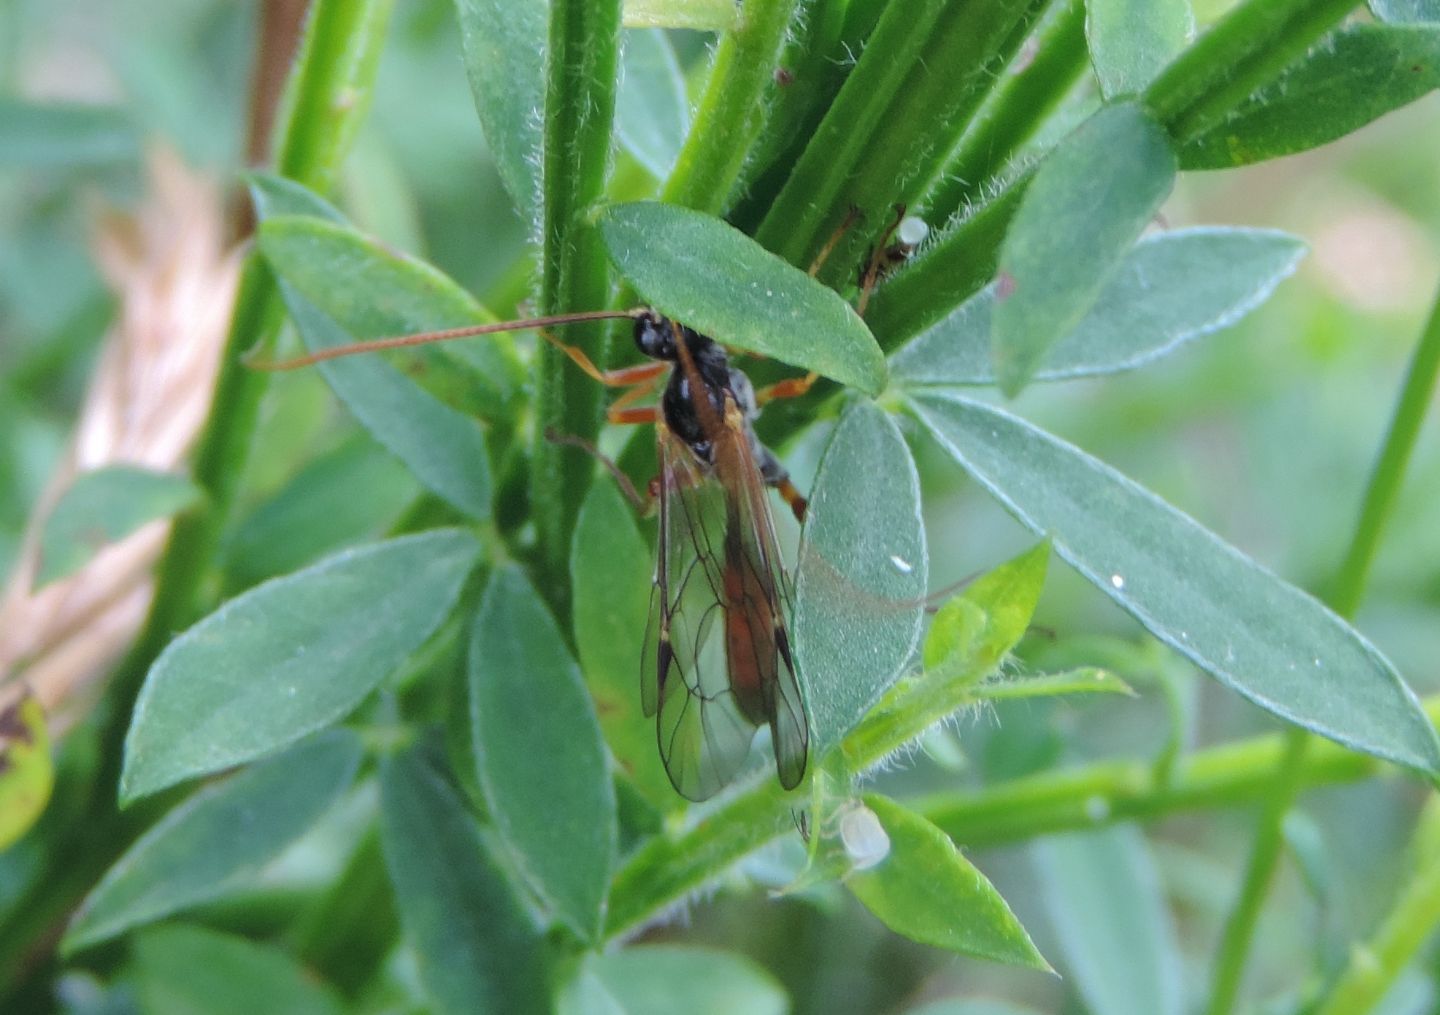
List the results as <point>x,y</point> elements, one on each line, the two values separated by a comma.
<point>927,891</point>
<point>973,632</point>
<point>475,948</point>
<point>1249,629</point>
<point>444,448</point>
<point>1108,910</point>
<point>27,772</point>
<point>699,15</point>
<point>652,111</point>
<point>504,43</point>
<point>103,506</point>
<point>1089,201</point>
<point>218,839</point>
<point>1355,75</point>
<point>372,292</point>
<point>1407,12</point>
<point>708,275</point>
<point>290,657</point>
<point>1130,41</point>
<point>540,755</point>
<point>860,582</point>
<point>646,980</point>
<point>179,970</point>
<point>611,568</point>
<point>1170,289</point>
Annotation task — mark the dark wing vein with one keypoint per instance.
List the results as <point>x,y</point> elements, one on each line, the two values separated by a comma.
<point>717,658</point>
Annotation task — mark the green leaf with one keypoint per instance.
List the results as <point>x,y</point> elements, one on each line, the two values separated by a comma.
<point>1249,629</point>
<point>612,569</point>
<point>652,110</point>
<point>180,970</point>
<point>1008,594</point>
<point>1108,910</point>
<point>1170,289</point>
<point>1407,12</point>
<point>927,891</point>
<point>974,631</point>
<point>1131,41</point>
<point>53,135</point>
<point>950,643</point>
<point>504,43</point>
<point>860,582</point>
<point>27,772</point>
<point>445,449</point>
<point>218,839</point>
<point>347,495</point>
<point>647,980</point>
<point>540,755</point>
<point>1087,680</point>
<point>104,506</point>
<point>290,657</point>
<point>1355,75</point>
<point>698,270</point>
<point>373,292</point>
<point>698,15</point>
<point>1090,199</point>
<point>475,948</point>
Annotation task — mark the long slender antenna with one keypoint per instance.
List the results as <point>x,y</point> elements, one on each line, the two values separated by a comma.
<point>426,337</point>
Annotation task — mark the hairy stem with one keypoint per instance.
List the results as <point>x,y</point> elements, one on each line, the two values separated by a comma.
<point>579,113</point>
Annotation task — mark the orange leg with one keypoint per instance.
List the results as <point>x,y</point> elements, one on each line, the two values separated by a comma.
<point>793,497</point>
<point>792,387</point>
<point>633,416</point>
<point>625,377</point>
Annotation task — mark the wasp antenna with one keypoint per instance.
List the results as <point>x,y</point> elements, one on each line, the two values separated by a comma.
<point>427,337</point>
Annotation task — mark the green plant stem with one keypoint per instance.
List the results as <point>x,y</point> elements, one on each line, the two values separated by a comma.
<point>1379,501</point>
<point>1265,854</point>
<point>1384,487</point>
<point>1248,47</point>
<point>584,48</point>
<point>1105,792</point>
<point>669,868</point>
<point>1012,114</point>
<point>925,70</point>
<point>1374,967</point>
<point>732,109</point>
<point>325,100</point>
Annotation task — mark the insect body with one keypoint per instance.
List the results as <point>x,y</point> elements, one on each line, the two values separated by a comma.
<point>717,661</point>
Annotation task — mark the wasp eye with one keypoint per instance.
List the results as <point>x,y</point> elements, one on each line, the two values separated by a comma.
<point>654,338</point>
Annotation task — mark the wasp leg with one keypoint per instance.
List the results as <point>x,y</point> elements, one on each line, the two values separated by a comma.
<point>775,475</point>
<point>621,411</point>
<point>643,504</point>
<point>879,254</point>
<point>792,387</point>
<point>625,377</point>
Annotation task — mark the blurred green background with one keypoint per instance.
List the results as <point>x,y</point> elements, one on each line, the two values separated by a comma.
<point>1265,433</point>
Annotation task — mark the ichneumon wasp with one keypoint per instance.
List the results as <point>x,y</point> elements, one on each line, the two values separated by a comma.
<point>717,663</point>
